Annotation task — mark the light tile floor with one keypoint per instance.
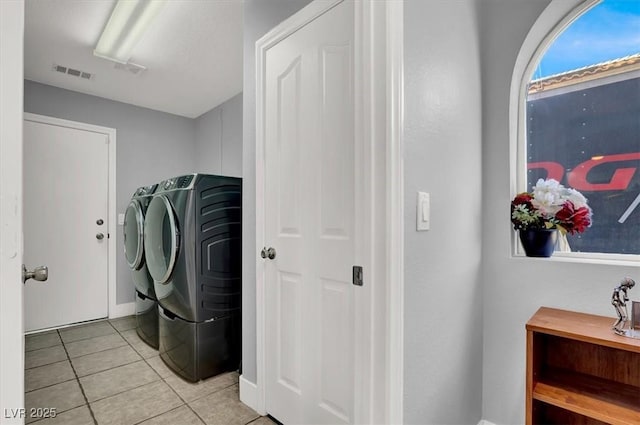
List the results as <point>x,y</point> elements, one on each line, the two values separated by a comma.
<point>103,373</point>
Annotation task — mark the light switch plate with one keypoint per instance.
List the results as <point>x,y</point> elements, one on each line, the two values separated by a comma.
<point>120,219</point>
<point>423,211</point>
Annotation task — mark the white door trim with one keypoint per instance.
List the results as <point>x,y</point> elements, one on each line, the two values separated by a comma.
<point>11,107</point>
<point>395,211</point>
<point>115,310</point>
<point>367,15</point>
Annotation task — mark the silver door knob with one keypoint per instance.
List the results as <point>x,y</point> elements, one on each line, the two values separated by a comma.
<point>99,236</point>
<point>269,253</point>
<point>40,273</point>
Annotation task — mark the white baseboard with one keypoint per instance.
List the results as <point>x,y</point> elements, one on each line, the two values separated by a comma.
<point>121,310</point>
<point>249,394</point>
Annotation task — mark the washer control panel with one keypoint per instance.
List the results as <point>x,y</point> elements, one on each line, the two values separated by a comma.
<point>182,182</point>
<point>168,184</point>
<point>145,190</point>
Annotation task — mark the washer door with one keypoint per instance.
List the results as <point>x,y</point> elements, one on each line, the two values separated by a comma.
<point>133,235</point>
<point>161,238</point>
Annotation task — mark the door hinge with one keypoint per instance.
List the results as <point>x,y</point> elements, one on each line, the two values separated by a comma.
<point>357,276</point>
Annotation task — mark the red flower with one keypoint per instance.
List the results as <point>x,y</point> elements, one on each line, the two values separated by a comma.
<point>572,219</point>
<point>522,198</point>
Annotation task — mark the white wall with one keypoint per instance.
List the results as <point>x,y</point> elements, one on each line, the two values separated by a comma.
<point>514,288</point>
<point>443,294</point>
<point>218,148</point>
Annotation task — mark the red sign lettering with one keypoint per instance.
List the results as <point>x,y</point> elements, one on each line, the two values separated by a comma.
<point>577,178</point>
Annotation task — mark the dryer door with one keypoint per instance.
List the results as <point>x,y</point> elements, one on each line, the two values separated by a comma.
<point>161,238</point>
<point>133,235</point>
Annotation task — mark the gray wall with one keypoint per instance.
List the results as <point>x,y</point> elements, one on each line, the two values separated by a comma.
<point>150,146</point>
<point>514,288</point>
<point>260,16</point>
<point>442,136</point>
<point>219,139</point>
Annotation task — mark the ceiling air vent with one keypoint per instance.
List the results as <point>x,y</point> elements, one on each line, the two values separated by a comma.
<point>73,72</point>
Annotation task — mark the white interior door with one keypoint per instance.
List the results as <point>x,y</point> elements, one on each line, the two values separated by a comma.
<point>11,325</point>
<point>66,196</point>
<point>311,214</point>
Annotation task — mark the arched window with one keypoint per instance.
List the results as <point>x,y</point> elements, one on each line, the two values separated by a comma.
<point>580,122</point>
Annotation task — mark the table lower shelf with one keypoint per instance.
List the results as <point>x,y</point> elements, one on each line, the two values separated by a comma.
<point>593,397</point>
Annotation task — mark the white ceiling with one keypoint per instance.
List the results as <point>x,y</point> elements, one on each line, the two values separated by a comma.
<point>192,51</point>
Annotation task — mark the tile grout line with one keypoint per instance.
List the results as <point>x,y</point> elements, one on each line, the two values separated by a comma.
<point>72,327</point>
<point>117,332</point>
<point>52,385</point>
<point>134,349</point>
<point>159,414</point>
<point>185,402</point>
<point>200,398</point>
<point>42,365</point>
<point>126,364</point>
<point>84,355</point>
<point>161,379</point>
<point>111,368</point>
<point>89,337</point>
<point>124,391</point>
<point>96,352</point>
<point>207,395</point>
<point>42,348</point>
<point>174,391</point>
<point>142,359</point>
<point>29,350</point>
<point>195,413</point>
<point>95,421</point>
<point>131,344</point>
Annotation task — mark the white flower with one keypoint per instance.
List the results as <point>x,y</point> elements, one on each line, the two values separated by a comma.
<point>577,199</point>
<point>547,196</point>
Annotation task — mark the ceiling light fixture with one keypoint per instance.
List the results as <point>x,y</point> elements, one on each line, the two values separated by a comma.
<point>128,21</point>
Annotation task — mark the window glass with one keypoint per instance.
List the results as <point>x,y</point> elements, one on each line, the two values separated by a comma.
<point>583,122</point>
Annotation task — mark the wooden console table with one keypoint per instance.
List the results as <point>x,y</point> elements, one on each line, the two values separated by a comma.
<point>579,372</point>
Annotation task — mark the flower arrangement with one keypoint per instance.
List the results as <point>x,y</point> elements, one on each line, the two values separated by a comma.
<point>551,205</point>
